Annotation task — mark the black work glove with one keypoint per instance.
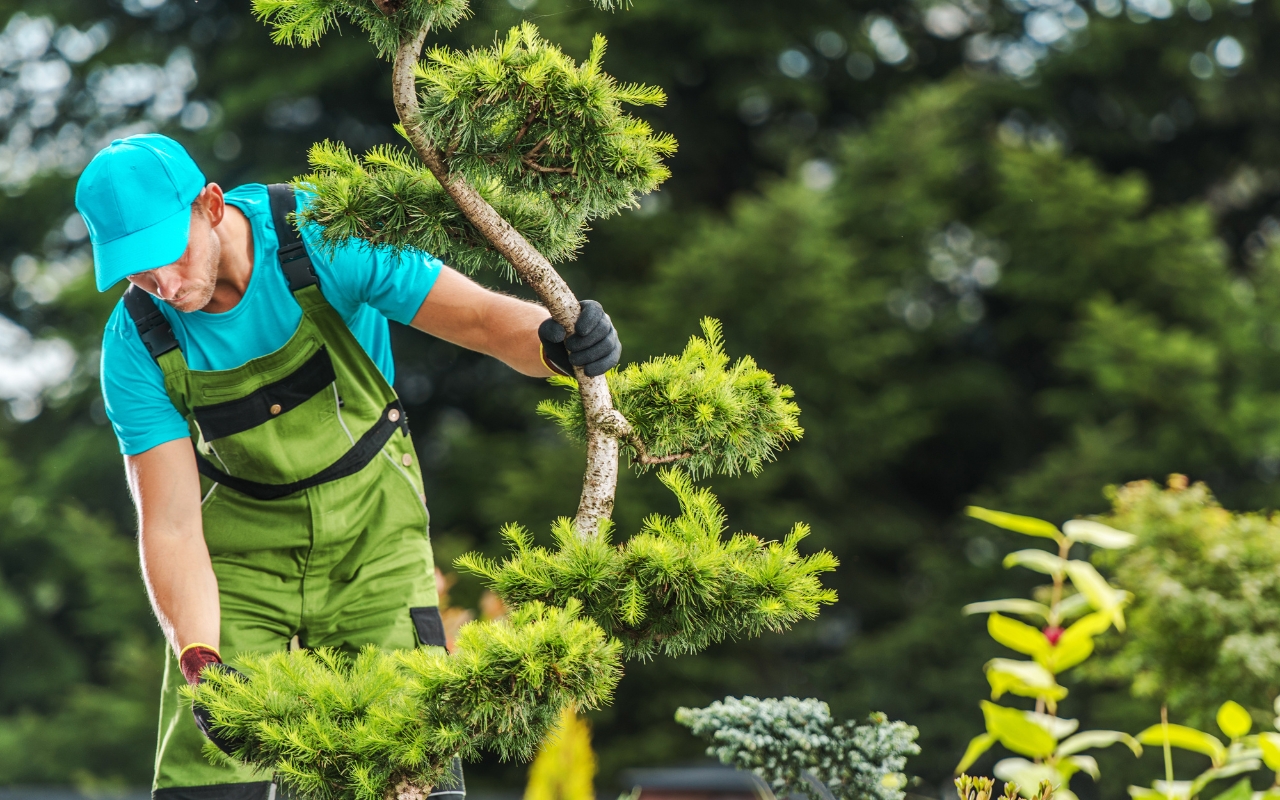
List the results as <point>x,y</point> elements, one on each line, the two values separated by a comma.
<point>193,662</point>
<point>594,345</point>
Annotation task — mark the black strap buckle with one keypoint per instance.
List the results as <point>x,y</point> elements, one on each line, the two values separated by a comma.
<point>292,253</point>
<point>154,330</point>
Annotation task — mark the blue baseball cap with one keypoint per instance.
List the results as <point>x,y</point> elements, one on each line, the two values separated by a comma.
<point>135,197</point>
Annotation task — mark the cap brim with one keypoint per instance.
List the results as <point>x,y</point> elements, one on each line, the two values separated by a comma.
<point>159,245</point>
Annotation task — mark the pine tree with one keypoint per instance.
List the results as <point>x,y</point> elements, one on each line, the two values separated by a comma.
<point>514,149</point>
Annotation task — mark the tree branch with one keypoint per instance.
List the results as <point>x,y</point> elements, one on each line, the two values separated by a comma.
<point>534,165</point>
<point>537,148</point>
<point>600,478</point>
<point>389,7</point>
<point>533,112</point>
<point>644,457</point>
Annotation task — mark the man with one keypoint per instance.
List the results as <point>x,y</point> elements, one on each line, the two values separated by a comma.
<point>248,378</point>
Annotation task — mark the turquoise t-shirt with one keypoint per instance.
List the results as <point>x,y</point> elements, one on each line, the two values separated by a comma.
<point>366,285</point>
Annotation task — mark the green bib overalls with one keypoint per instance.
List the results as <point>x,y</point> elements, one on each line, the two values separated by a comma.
<point>313,506</point>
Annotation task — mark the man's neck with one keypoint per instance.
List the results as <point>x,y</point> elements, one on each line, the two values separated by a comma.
<point>235,266</point>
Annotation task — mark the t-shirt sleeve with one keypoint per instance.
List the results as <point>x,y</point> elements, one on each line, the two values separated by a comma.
<point>393,282</point>
<point>140,411</point>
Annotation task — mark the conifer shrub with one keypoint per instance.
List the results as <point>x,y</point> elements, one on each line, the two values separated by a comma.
<point>336,727</point>
<point>694,410</point>
<point>675,587</point>
<point>796,747</point>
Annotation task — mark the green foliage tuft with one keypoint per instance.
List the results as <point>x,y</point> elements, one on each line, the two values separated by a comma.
<point>726,418</point>
<point>782,740</point>
<point>675,587</point>
<point>336,727</point>
<point>303,22</point>
<point>387,198</point>
<point>522,113</point>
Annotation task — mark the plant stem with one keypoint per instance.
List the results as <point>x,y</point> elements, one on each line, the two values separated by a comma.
<point>604,424</point>
<point>1055,600</point>
<point>1168,751</point>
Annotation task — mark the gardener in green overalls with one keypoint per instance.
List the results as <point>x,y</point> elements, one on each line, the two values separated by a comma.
<point>248,376</point>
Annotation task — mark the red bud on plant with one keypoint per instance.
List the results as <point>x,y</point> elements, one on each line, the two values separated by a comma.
<point>1053,633</point>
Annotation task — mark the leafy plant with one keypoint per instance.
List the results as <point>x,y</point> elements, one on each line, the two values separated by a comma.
<point>1060,644</point>
<point>1206,600</point>
<point>1226,761</point>
<point>796,747</point>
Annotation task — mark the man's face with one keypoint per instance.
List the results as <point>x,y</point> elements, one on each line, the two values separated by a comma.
<point>188,283</point>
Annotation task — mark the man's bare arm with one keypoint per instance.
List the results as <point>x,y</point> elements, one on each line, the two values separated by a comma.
<point>461,311</point>
<point>175,560</point>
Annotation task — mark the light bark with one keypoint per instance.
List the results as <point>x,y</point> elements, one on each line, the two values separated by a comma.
<point>605,425</point>
<point>406,789</point>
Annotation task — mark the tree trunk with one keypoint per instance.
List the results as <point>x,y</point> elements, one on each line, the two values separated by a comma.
<point>604,424</point>
<point>407,790</point>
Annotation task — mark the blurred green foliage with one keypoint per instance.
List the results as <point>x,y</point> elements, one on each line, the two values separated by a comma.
<point>982,288</point>
<point>1206,586</point>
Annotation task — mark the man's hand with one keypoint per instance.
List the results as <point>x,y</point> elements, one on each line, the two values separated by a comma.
<point>594,345</point>
<point>195,660</point>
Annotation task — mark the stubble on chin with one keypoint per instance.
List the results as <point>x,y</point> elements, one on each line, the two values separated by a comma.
<point>199,297</point>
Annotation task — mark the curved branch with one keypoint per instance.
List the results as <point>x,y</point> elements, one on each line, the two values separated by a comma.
<point>604,424</point>
<point>643,456</point>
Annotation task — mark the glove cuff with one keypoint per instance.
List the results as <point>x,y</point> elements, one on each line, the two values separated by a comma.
<point>558,350</point>
<point>194,658</point>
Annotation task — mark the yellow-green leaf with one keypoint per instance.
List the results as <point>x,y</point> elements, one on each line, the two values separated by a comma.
<point>1019,636</point>
<point>1013,730</point>
<point>1269,743</point>
<point>1088,740</point>
<point>1076,642</point>
<point>1023,678</point>
<point>1240,790</point>
<point>1038,560</point>
<point>1027,775</point>
<point>1187,739</point>
<point>1068,652</point>
<point>1233,720</point>
<point>1013,605</point>
<point>1101,595</point>
<point>977,746</point>
<point>1016,522</point>
<point>1097,534</point>
<point>1085,764</point>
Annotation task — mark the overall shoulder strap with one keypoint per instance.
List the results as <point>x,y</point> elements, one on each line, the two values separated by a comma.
<point>294,259</point>
<point>153,328</point>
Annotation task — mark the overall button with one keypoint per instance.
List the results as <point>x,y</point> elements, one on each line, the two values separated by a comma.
<point>275,409</point>
<point>406,459</point>
<point>394,415</point>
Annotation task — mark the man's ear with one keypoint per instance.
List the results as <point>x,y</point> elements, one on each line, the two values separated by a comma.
<point>211,200</point>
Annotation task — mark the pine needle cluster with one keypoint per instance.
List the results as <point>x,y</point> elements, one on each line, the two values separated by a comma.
<point>782,740</point>
<point>389,198</point>
<point>304,22</point>
<point>336,727</point>
<point>523,114</point>
<point>676,587</point>
<point>713,417</point>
